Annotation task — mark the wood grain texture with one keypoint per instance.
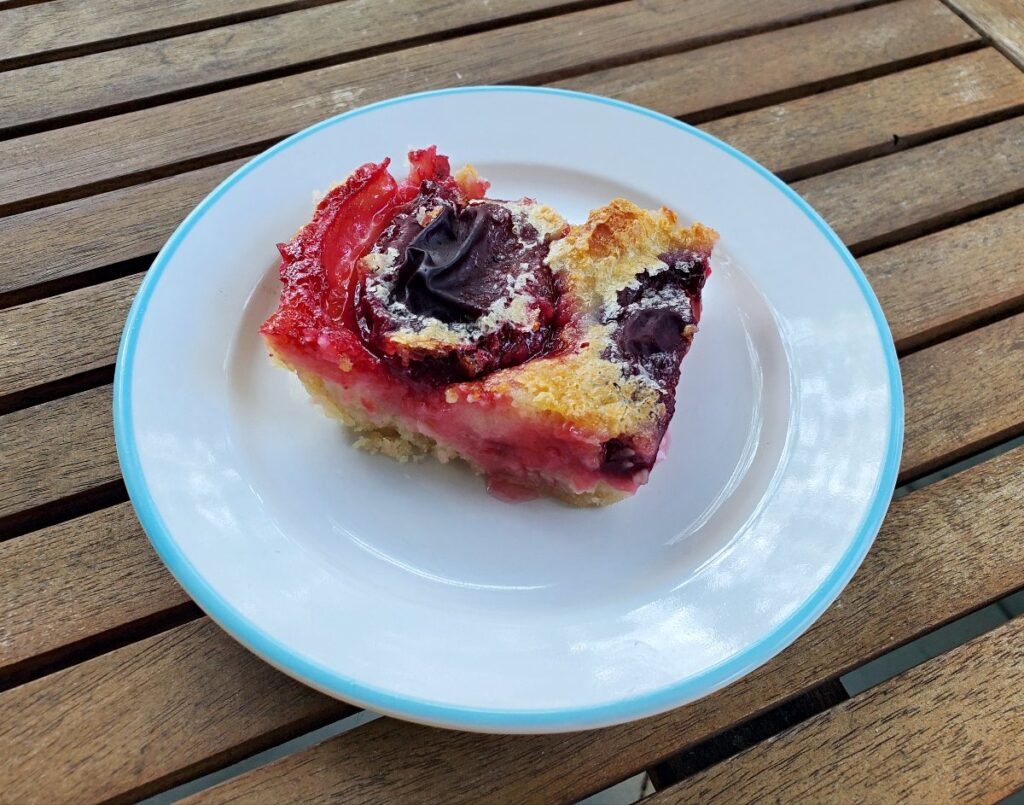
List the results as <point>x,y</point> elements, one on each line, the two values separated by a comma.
<point>941,551</point>
<point>103,150</point>
<point>62,24</point>
<point>74,581</point>
<point>875,117</point>
<point>1001,20</point>
<point>946,731</point>
<point>56,449</point>
<point>146,715</point>
<point>925,286</point>
<point>963,395</point>
<point>808,55</point>
<point>99,230</point>
<point>82,330</point>
<point>133,221</point>
<point>949,281</point>
<point>895,197</point>
<point>89,83</point>
<point>930,287</point>
<point>67,445</point>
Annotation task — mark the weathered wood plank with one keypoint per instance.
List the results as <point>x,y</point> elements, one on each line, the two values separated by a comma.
<point>134,221</point>
<point>90,154</point>
<point>1001,20</point>
<point>941,552</point>
<point>946,731</point>
<point>90,83</point>
<point>180,703</point>
<point>939,284</point>
<point>99,230</point>
<point>926,286</point>
<point>895,197</point>
<point>82,330</point>
<point>961,396</point>
<point>950,280</point>
<point>62,24</point>
<point>56,449</point>
<point>804,56</point>
<point>875,117</point>
<point>69,583</point>
<point>932,561</point>
<point>956,404</point>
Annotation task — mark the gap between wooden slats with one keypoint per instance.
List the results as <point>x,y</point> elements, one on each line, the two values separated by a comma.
<point>942,732</point>
<point>873,202</point>
<point>65,448</point>
<point>61,29</point>
<point>127,223</point>
<point>58,93</point>
<point>1002,21</point>
<point>931,543</point>
<point>45,168</point>
<point>962,395</point>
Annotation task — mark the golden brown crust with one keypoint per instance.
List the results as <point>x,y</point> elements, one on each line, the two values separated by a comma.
<point>599,258</point>
<point>581,385</point>
<point>604,254</point>
<point>583,388</point>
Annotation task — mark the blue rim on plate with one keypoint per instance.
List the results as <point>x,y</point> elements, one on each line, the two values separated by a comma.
<point>329,681</point>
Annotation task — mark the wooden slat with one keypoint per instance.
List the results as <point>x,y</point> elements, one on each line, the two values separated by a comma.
<point>56,449</point>
<point>952,279</point>
<point>142,717</point>
<point>928,287</point>
<point>925,286</point>
<point>90,83</point>
<point>63,24</point>
<point>946,731</point>
<point>957,401</point>
<point>974,273</point>
<point>103,150</point>
<point>1002,20</point>
<point>136,220</point>
<point>941,551</point>
<point>877,203</point>
<point>82,334</point>
<point>877,116</point>
<point>961,395</point>
<point>99,230</point>
<point>71,582</point>
<point>67,446</point>
<point>805,56</point>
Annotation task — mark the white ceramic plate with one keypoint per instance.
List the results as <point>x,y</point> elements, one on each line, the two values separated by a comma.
<point>406,588</point>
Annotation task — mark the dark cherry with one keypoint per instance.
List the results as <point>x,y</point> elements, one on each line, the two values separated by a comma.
<point>688,267</point>
<point>620,458</point>
<point>646,332</point>
<point>445,270</point>
<point>454,269</point>
<point>650,323</point>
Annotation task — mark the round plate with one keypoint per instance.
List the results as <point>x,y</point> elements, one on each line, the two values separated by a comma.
<point>406,588</point>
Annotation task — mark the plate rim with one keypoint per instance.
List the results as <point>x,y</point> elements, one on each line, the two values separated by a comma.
<point>336,684</point>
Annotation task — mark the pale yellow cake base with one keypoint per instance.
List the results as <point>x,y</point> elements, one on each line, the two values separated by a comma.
<point>384,434</point>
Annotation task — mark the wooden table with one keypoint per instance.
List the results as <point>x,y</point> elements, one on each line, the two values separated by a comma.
<point>901,122</point>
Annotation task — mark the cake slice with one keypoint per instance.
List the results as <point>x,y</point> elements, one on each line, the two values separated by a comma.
<point>433,320</point>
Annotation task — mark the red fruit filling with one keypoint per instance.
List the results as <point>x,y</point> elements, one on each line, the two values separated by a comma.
<point>430,318</point>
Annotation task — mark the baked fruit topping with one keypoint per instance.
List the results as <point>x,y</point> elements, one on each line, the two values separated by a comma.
<point>431,319</point>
